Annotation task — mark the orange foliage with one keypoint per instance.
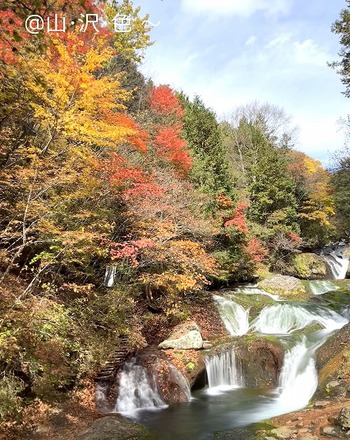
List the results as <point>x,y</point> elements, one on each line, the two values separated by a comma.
<point>173,148</point>
<point>164,102</point>
<point>239,219</point>
<point>256,251</point>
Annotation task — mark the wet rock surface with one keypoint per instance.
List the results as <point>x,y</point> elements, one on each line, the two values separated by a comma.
<point>261,361</point>
<point>115,428</point>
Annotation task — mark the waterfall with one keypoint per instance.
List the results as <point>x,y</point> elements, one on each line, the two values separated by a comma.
<point>110,276</point>
<point>282,319</point>
<point>338,265</point>
<point>234,316</point>
<point>298,379</point>
<point>136,390</point>
<point>223,372</point>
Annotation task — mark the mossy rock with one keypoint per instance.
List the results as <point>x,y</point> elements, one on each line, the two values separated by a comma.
<point>308,266</point>
<point>255,303</point>
<point>285,286</point>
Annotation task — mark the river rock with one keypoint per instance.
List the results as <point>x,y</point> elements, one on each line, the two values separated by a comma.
<point>185,336</point>
<point>344,418</point>
<point>282,433</point>
<point>261,360</point>
<point>172,385</point>
<point>333,364</point>
<point>282,285</point>
<point>320,404</point>
<point>115,428</point>
<point>329,431</point>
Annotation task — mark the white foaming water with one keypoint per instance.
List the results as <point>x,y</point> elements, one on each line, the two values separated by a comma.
<point>283,319</point>
<point>320,287</point>
<point>110,276</point>
<point>254,290</point>
<point>223,372</point>
<point>136,391</point>
<point>234,316</point>
<point>338,265</point>
<point>298,379</point>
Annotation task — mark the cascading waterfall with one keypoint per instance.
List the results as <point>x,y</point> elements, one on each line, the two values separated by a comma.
<point>223,372</point>
<point>320,287</point>
<point>298,379</point>
<point>338,265</point>
<point>283,319</point>
<point>136,390</point>
<point>234,316</point>
<point>227,403</point>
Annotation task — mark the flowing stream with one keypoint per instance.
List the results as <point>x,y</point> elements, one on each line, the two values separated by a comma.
<point>338,264</point>
<point>226,403</point>
<point>320,287</point>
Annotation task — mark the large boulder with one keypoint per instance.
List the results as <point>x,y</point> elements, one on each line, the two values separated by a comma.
<point>333,364</point>
<point>261,360</point>
<point>185,336</point>
<point>172,385</point>
<point>115,428</point>
<point>283,285</point>
<point>308,266</point>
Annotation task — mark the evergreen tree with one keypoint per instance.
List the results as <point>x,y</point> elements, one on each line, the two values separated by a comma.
<point>342,28</point>
<point>201,130</point>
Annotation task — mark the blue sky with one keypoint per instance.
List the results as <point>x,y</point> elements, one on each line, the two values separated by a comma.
<point>232,52</point>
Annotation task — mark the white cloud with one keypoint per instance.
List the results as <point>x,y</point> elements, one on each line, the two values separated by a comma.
<point>243,8</point>
<point>279,41</point>
<point>251,40</point>
<point>308,52</point>
<point>300,52</point>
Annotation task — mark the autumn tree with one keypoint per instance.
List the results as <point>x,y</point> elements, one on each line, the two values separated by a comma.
<point>314,198</point>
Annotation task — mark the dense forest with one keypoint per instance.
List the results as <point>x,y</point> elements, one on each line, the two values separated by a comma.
<point>123,201</point>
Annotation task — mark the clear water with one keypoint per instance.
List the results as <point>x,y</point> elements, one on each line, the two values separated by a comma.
<point>207,413</point>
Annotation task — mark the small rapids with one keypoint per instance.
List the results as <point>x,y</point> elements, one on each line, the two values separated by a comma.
<point>320,287</point>
<point>252,289</point>
<point>283,319</point>
<point>338,264</point>
<point>234,316</point>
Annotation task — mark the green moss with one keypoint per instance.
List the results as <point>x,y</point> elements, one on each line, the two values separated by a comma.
<point>253,302</point>
<point>308,266</point>
<point>190,366</point>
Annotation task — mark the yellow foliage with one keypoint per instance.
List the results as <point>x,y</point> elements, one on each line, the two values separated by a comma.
<point>71,100</point>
